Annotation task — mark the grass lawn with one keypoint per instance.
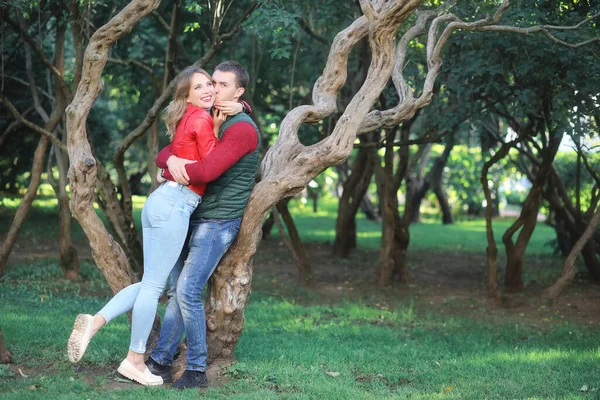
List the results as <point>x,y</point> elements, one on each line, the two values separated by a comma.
<point>303,344</point>
<point>310,351</point>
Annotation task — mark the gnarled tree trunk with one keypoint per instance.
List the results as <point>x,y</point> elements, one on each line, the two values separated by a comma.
<point>68,260</point>
<point>434,181</point>
<point>569,266</point>
<point>107,253</point>
<point>513,280</point>
<point>294,244</point>
<point>355,188</point>
<point>289,166</point>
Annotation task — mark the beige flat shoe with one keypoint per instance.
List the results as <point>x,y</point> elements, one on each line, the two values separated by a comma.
<point>80,337</point>
<point>145,377</point>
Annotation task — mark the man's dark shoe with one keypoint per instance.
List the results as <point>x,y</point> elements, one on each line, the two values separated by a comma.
<point>164,371</point>
<point>191,379</point>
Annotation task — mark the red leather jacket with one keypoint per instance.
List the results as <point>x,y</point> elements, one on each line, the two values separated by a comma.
<point>194,138</point>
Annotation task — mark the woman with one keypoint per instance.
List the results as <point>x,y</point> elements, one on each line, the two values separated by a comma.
<point>165,221</point>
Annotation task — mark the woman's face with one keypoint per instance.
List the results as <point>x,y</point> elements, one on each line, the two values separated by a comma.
<point>202,91</point>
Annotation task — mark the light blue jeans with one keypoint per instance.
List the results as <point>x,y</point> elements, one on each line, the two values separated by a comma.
<point>165,222</point>
<point>207,241</point>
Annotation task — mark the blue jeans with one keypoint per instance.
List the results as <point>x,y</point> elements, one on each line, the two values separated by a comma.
<point>208,240</point>
<point>165,222</point>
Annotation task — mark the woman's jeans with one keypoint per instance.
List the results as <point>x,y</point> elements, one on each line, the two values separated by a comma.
<point>165,222</point>
<point>208,240</point>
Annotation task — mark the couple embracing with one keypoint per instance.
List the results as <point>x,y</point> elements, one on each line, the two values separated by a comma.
<point>188,225</point>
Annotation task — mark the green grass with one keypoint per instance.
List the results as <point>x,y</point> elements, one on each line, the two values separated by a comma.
<point>311,351</point>
<point>302,345</point>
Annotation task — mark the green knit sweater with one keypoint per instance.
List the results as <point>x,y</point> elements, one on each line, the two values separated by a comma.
<point>226,197</point>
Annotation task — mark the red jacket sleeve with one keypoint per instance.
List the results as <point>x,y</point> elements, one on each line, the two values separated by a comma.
<point>205,136</point>
<point>238,140</point>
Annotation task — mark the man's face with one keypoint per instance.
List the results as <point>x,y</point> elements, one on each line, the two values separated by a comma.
<point>225,86</point>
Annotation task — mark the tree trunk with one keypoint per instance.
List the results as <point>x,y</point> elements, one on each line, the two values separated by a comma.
<point>295,245</point>
<point>438,189</point>
<point>68,261</point>
<point>5,355</point>
<point>38,159</point>
<point>25,206</point>
<point>417,184</point>
<point>513,281</point>
<point>389,210</point>
<point>492,249</point>
<point>355,188</point>
<point>268,226</point>
<point>434,180</point>
<point>288,166</point>
<point>123,225</point>
<point>107,253</point>
<point>569,266</point>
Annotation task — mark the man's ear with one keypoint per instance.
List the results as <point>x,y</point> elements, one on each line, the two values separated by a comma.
<point>239,92</point>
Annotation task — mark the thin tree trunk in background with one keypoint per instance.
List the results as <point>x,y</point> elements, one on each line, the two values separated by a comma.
<point>402,224</point>
<point>5,355</point>
<point>25,205</point>
<point>268,226</point>
<point>527,220</point>
<point>569,267</point>
<point>152,144</point>
<point>294,244</point>
<point>38,159</point>
<point>434,180</point>
<point>492,249</point>
<point>355,188</point>
<point>389,208</point>
<point>69,260</point>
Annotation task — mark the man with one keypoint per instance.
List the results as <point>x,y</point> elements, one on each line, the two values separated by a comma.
<point>231,169</point>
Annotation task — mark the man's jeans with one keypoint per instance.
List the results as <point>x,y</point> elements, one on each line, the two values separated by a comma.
<point>165,221</point>
<point>208,240</point>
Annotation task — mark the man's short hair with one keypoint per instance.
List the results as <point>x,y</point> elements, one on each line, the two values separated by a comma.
<point>241,75</point>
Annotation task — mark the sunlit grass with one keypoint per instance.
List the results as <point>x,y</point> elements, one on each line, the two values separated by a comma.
<point>346,350</point>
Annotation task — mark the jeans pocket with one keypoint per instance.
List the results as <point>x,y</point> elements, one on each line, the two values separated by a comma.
<point>158,209</point>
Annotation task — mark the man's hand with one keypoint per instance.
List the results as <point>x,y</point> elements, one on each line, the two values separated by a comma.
<point>228,107</point>
<point>176,167</point>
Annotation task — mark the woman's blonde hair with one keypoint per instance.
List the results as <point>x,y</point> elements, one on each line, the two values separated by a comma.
<point>176,108</point>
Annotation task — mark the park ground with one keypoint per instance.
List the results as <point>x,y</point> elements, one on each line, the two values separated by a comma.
<point>436,338</point>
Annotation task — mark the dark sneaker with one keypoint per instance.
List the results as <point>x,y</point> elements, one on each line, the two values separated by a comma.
<point>164,371</point>
<point>191,379</point>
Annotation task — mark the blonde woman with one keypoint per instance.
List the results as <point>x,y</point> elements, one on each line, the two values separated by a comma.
<point>165,221</point>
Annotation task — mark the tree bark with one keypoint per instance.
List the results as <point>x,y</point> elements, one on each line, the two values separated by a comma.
<point>355,188</point>
<point>492,249</point>
<point>38,159</point>
<point>107,253</point>
<point>68,260</point>
<point>569,267</point>
<point>5,355</point>
<point>402,224</point>
<point>434,180</point>
<point>289,166</point>
<point>389,210</point>
<point>526,222</point>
